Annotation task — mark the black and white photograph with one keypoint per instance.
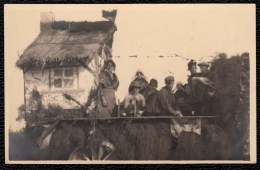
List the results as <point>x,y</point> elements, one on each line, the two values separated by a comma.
<point>130,83</point>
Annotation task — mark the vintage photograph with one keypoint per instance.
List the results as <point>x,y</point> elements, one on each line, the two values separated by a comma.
<point>148,83</point>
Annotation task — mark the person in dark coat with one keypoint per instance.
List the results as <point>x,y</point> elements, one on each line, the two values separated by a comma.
<point>108,85</point>
<point>166,102</point>
<point>203,86</point>
<point>188,105</point>
<point>150,93</point>
<point>150,89</point>
<point>204,69</point>
<point>139,77</point>
<point>179,90</point>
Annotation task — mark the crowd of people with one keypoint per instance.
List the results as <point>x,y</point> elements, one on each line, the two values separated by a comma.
<point>144,99</point>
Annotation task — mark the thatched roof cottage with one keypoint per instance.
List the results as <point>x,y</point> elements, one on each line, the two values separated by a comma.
<point>64,59</point>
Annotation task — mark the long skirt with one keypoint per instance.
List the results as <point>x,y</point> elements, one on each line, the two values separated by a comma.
<point>109,94</point>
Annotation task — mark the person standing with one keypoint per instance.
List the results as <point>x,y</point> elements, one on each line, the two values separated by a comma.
<point>179,90</point>
<point>150,94</point>
<point>203,86</point>
<point>192,67</point>
<point>108,85</point>
<point>188,105</point>
<point>150,89</point>
<point>166,102</point>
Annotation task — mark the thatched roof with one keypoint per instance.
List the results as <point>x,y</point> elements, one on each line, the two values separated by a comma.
<point>62,41</point>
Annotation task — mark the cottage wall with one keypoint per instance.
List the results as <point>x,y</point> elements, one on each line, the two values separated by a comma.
<point>42,81</point>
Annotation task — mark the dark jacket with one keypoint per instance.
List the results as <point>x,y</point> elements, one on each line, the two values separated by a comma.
<point>191,76</point>
<point>188,104</point>
<point>166,102</point>
<point>150,99</point>
<point>146,92</point>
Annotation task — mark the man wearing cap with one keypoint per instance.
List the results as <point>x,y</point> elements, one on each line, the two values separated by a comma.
<point>166,103</point>
<point>202,86</point>
<point>204,69</point>
<point>134,102</point>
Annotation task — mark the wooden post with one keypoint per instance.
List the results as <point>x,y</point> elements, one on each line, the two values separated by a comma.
<point>118,108</point>
<point>135,109</point>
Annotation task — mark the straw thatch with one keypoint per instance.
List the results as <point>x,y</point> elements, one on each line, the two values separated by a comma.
<point>68,42</point>
<point>83,26</point>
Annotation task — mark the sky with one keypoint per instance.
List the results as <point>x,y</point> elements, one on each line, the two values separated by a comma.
<point>191,31</point>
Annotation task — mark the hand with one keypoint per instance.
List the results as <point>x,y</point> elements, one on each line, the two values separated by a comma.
<point>178,113</point>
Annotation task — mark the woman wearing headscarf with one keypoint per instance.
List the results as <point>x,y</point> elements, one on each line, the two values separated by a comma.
<point>140,78</point>
<point>108,85</point>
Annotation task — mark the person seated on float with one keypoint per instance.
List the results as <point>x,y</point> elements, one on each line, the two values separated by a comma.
<point>166,102</point>
<point>134,102</point>
<point>139,77</point>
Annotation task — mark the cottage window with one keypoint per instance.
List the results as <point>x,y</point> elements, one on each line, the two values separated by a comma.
<point>64,78</point>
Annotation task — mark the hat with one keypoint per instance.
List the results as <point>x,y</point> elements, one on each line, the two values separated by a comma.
<point>153,82</point>
<point>203,64</point>
<point>139,71</point>
<point>110,61</point>
<point>191,63</point>
<point>169,79</point>
<point>135,84</point>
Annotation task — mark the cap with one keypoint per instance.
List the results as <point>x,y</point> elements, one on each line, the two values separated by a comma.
<point>169,79</point>
<point>203,64</point>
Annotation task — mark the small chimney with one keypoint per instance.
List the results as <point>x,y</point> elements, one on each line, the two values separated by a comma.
<point>47,18</point>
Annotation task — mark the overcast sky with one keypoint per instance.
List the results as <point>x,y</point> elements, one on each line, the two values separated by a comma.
<point>191,31</point>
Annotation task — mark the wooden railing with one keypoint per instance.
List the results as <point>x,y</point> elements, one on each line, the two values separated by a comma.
<point>145,117</point>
